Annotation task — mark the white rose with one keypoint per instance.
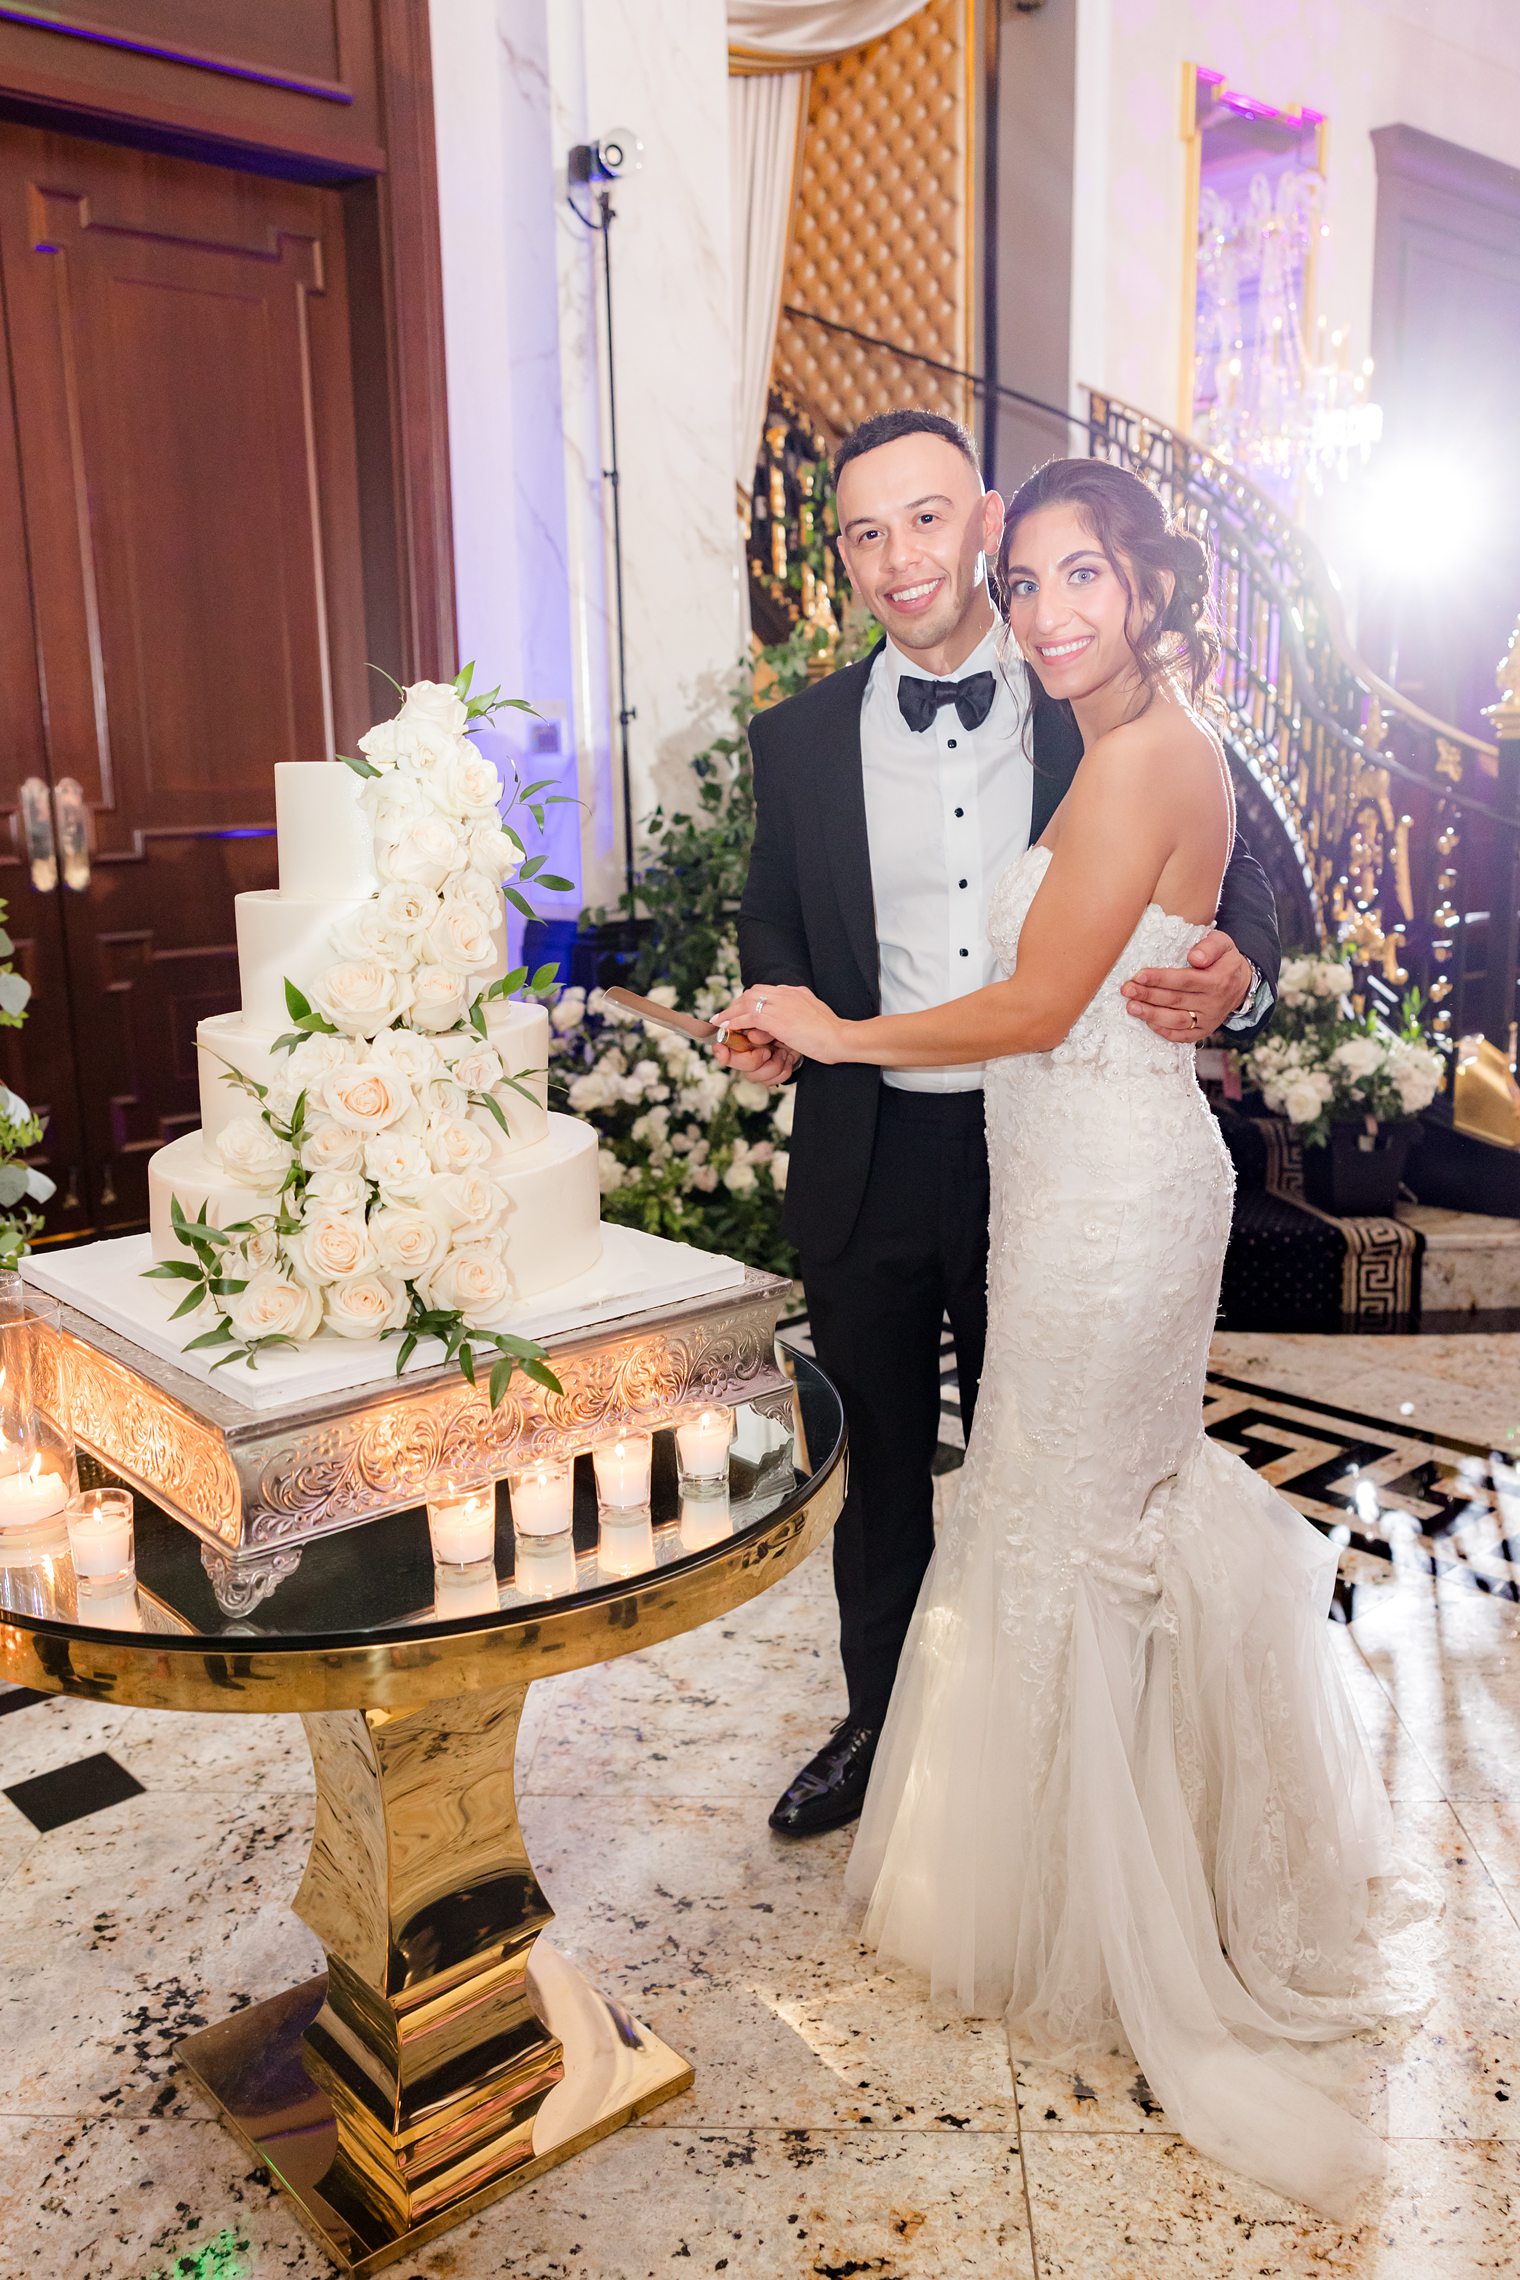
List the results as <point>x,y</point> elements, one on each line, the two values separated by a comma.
<point>663,993</point>
<point>1360,1057</point>
<point>747,1094</point>
<point>1331,978</point>
<point>465,783</point>
<point>609,1172</point>
<point>272,1304</point>
<point>784,1112</point>
<point>260,1249</point>
<point>408,910</point>
<point>740,1179</point>
<point>394,806</point>
<point>781,1164</point>
<point>473,1280</point>
<point>478,1069</point>
<point>652,1128</point>
<point>460,937</point>
<point>440,997</point>
<point>456,1145</point>
<point>366,935</point>
<point>338,1191</point>
<point>437,704</point>
<point>470,1199</point>
<point>704,1177</point>
<point>364,1305</point>
<point>1302,1100</point>
<point>413,1057</point>
<point>408,1242</point>
<point>366,1095</point>
<point>495,850</point>
<point>361,996</point>
<point>407,742</point>
<point>596,1089</point>
<point>331,1244</point>
<point>482,893</point>
<point>398,1164</point>
<point>423,856</point>
<point>331,1147</point>
<point>442,1097</point>
<point>314,1056</point>
<point>251,1154</point>
<point>569,1011</point>
<point>280,1097</point>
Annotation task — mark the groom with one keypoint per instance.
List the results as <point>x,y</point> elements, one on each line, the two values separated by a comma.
<point>890,797</point>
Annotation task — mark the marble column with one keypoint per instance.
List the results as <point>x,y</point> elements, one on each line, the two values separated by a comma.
<point>518,82</point>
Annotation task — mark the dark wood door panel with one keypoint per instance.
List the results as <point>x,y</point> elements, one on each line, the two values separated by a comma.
<point>179,342</point>
<point>298,75</point>
<point>165,343</point>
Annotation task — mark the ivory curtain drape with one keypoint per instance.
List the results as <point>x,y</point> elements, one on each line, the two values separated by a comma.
<point>777,35</point>
<point>771,46</point>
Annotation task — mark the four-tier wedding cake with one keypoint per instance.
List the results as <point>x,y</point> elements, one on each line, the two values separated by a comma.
<point>375,1150</point>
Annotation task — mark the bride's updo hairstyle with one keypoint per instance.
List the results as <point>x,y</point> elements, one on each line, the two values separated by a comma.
<point>1170,636</point>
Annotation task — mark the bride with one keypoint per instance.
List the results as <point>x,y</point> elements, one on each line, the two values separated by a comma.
<point>1120,1793</point>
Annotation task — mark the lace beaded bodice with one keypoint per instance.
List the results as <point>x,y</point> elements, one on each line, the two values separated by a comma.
<point>1105,1034</point>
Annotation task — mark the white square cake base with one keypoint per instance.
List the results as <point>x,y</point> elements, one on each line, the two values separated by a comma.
<point>635,1274</point>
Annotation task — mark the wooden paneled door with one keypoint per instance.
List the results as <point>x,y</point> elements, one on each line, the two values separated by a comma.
<point>182,604</point>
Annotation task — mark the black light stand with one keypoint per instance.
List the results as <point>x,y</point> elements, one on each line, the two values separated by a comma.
<point>595,167</point>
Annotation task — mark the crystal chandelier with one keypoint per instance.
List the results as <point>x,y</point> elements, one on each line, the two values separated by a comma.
<point>1286,415</point>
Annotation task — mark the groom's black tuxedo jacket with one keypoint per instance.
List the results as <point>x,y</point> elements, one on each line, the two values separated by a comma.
<point>808,916</point>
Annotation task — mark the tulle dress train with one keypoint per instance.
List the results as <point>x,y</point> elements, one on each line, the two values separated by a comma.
<point>1121,1796</point>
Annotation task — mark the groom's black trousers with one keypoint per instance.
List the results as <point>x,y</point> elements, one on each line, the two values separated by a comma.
<point>918,1253</point>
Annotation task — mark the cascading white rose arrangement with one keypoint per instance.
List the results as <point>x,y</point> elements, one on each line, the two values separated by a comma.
<point>385,1129</point>
<point>1320,1064</point>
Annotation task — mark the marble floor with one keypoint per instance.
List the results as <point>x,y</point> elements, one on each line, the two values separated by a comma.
<point>835,2129</point>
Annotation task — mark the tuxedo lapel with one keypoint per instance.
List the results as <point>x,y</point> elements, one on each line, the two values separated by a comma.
<point>838,778</point>
<point>1057,744</point>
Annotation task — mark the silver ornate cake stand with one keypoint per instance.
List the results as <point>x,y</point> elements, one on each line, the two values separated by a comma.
<point>257,1486</point>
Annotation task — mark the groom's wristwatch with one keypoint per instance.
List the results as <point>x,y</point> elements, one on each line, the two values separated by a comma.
<point>1255,1006</point>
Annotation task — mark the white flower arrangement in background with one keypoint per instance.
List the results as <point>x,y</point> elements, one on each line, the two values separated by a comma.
<point>1322,1064</point>
<point>687,1149</point>
<point>385,1130</point>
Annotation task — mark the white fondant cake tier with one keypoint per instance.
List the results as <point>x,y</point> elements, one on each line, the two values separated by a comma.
<point>188,1171</point>
<point>520,1034</point>
<point>552,1231</point>
<point>324,840</point>
<point>284,938</point>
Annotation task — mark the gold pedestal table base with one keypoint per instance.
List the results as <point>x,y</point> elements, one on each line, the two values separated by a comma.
<point>449,2053</point>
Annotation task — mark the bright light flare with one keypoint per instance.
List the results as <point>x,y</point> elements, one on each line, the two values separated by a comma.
<point>1421,514</point>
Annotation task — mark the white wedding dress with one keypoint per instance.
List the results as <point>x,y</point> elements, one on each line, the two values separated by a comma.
<point>1121,1795</point>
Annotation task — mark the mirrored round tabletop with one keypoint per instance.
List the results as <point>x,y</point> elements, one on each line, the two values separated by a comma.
<point>363,1617</point>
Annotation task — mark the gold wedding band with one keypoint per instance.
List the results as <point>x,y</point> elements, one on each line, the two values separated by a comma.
<point>1192,1018</point>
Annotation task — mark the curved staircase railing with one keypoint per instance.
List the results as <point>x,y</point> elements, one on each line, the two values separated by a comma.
<point>1383,828</point>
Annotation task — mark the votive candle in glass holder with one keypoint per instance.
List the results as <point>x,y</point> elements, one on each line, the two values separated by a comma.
<point>461,1591</point>
<point>543,1497</point>
<point>625,1544</point>
<point>703,1436</point>
<point>546,1566</point>
<point>706,1516</point>
<point>622,1471</point>
<point>101,1539</point>
<point>462,1522</point>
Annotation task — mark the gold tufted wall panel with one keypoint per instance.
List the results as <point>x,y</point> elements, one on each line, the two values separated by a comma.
<point>883,232</point>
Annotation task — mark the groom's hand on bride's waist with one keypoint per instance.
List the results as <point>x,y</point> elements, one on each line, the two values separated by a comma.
<point>767,1063</point>
<point>1187,1003</point>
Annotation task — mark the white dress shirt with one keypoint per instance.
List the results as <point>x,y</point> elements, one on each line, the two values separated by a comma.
<point>947,810</point>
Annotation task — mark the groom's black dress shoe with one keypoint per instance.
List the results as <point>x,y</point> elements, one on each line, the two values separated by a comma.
<point>831,1788</point>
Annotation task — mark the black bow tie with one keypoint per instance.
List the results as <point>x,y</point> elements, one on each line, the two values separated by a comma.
<point>921,700</point>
